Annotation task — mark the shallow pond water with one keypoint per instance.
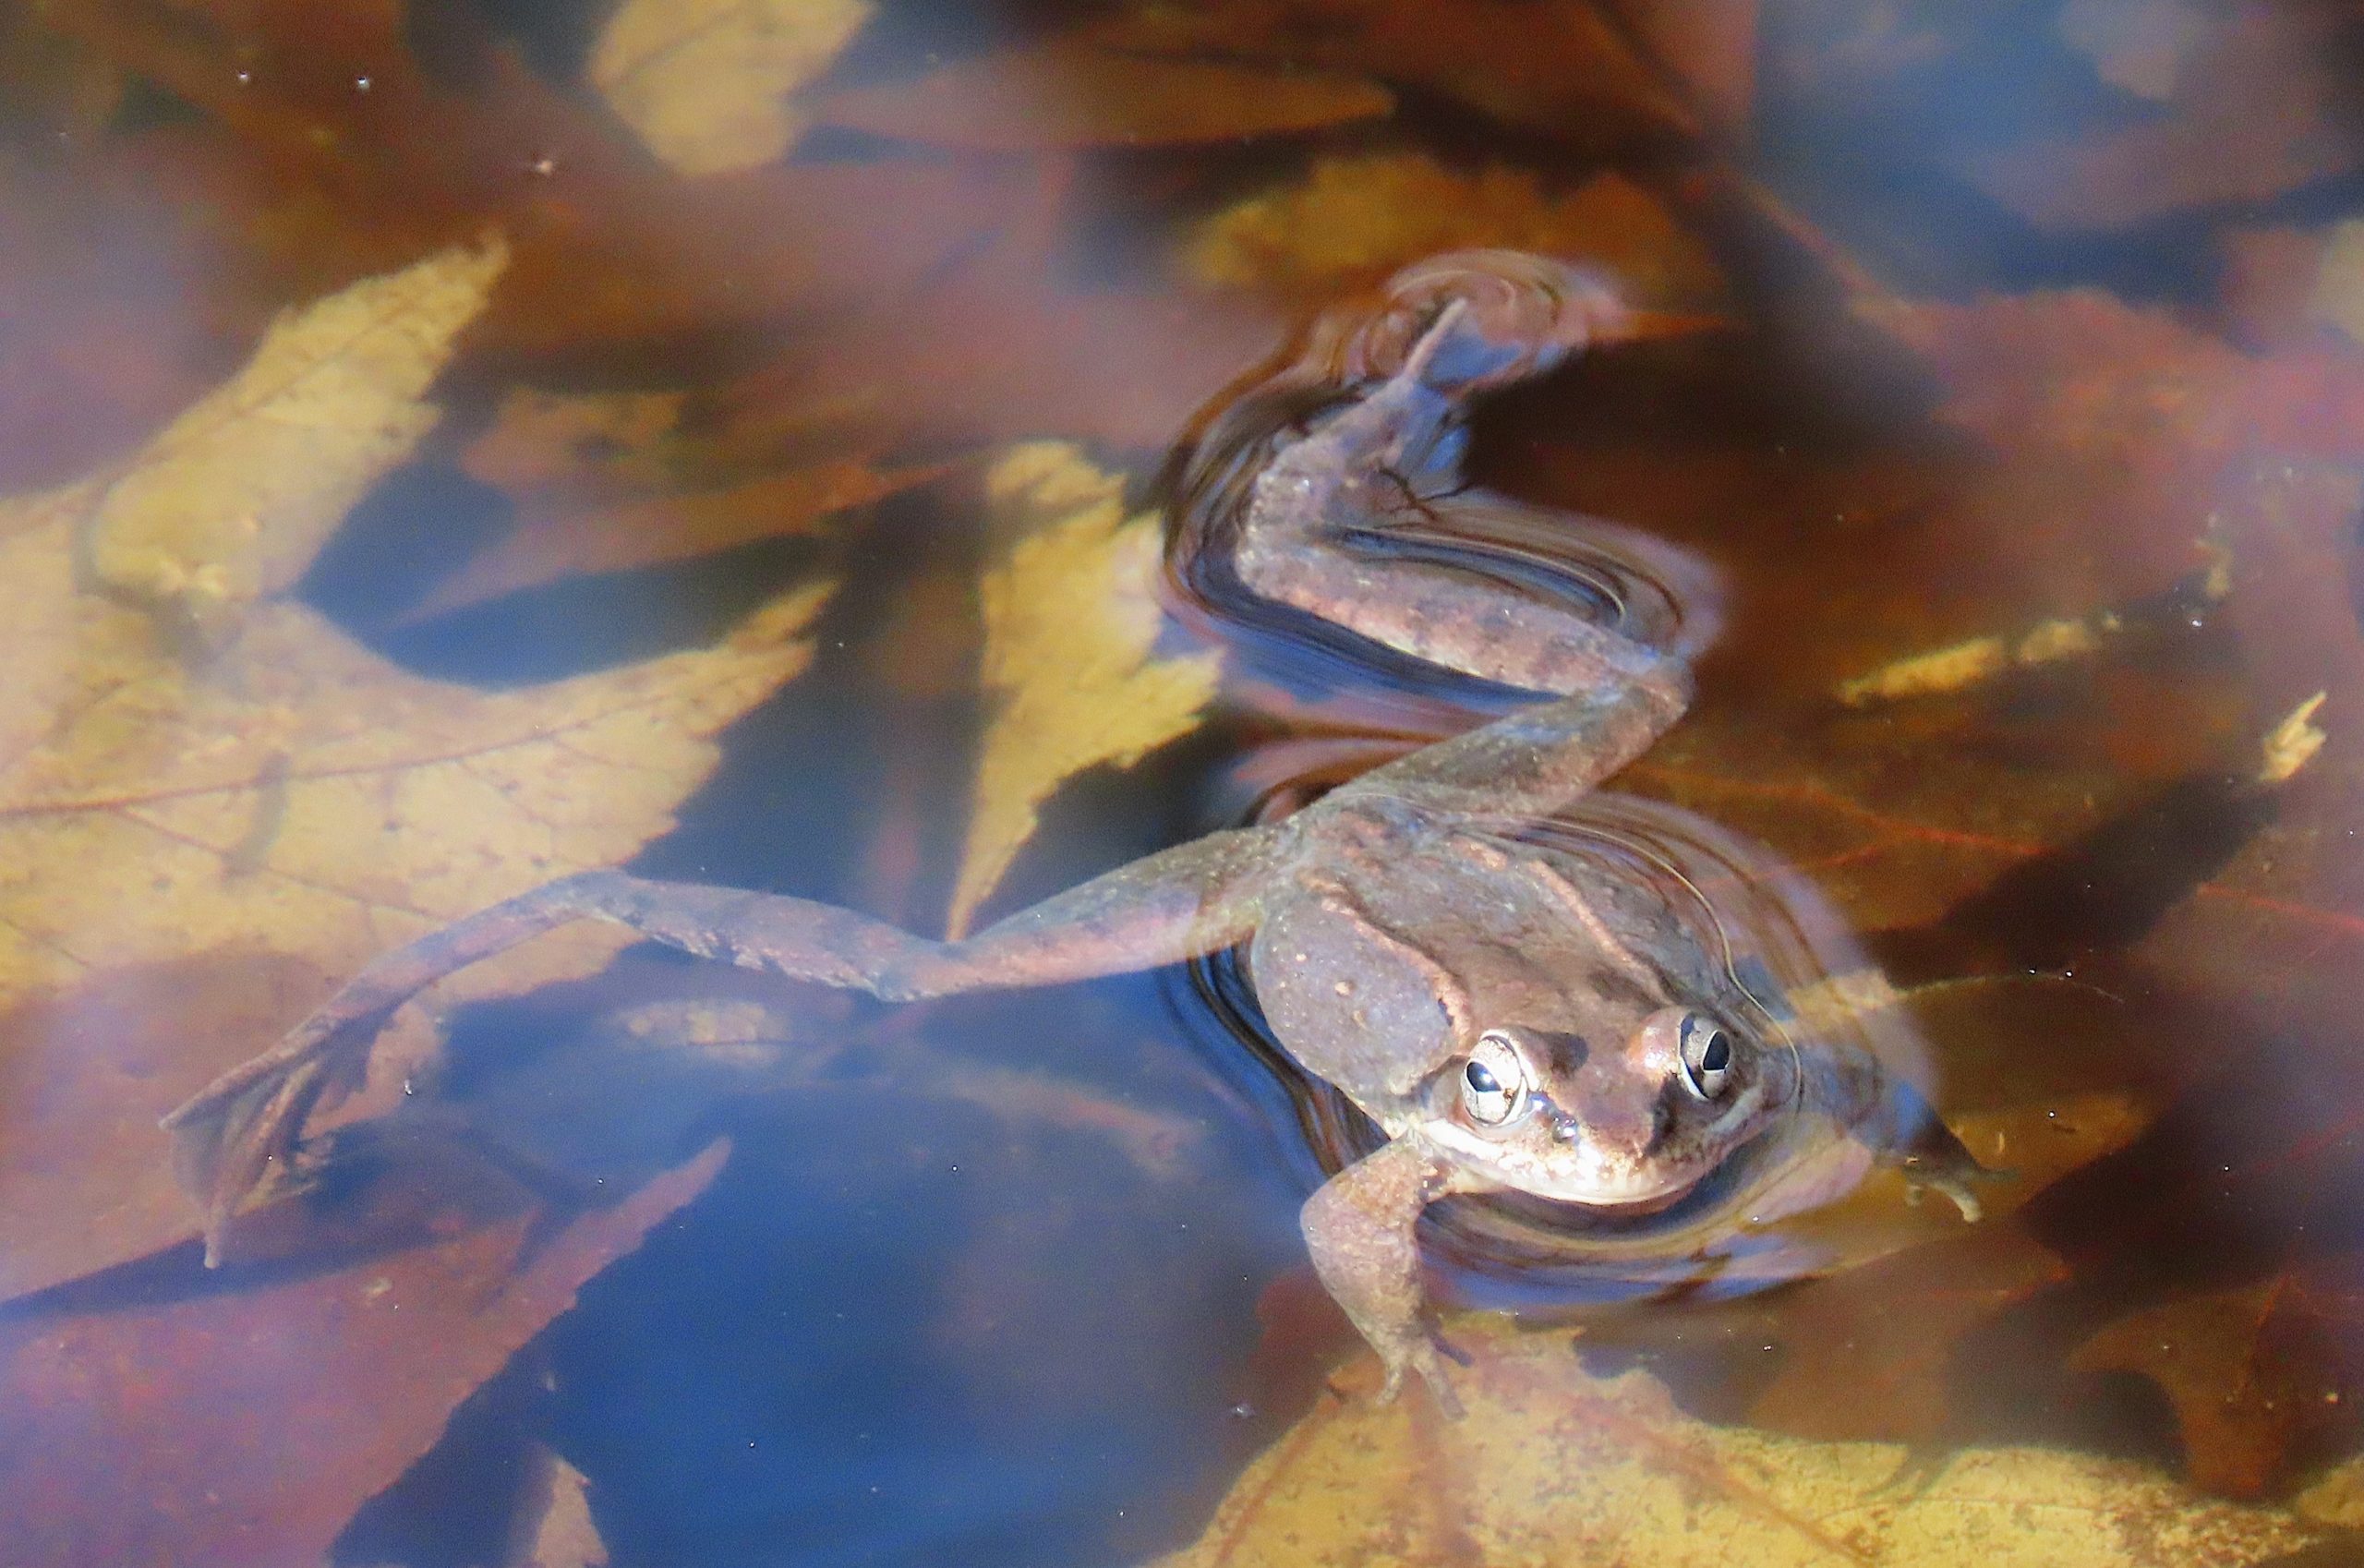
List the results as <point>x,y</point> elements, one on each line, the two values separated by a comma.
<point>451,446</point>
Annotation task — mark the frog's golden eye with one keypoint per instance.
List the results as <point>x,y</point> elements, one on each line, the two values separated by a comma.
<point>1493,1081</point>
<point>1707,1056</point>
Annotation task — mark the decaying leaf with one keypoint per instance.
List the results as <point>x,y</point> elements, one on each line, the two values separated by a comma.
<point>1070,620</point>
<point>1566,68</point>
<point>1071,94</point>
<point>232,501</point>
<point>1001,363</point>
<point>2243,1367</point>
<point>245,1427</point>
<point>1553,1465</point>
<point>708,85</point>
<point>1354,218</point>
<point>604,482</point>
<point>1709,45</point>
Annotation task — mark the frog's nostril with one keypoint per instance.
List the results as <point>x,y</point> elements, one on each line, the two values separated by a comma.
<point>1566,1127</point>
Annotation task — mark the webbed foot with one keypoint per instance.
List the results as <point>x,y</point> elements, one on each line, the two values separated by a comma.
<point>1424,1352</point>
<point>1954,1182</point>
<point>239,1136</point>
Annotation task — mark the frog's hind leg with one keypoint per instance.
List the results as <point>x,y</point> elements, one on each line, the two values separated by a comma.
<point>1531,764</point>
<point>1180,904</point>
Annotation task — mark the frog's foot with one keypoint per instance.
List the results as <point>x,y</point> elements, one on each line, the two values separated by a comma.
<point>1424,1351</point>
<point>1954,1181</point>
<point>240,1137</point>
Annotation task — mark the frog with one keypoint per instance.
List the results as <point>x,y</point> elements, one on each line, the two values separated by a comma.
<point>1514,1012</point>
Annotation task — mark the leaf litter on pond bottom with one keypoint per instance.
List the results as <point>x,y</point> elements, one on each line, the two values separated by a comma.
<point>247,1426</point>
<point>1554,1465</point>
<point>285,794</point>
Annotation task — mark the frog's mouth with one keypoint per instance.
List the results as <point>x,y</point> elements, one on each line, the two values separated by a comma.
<point>1612,1197</point>
<point>1677,1202</point>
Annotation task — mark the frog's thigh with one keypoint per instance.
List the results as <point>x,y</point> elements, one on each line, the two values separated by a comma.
<point>1354,1002</point>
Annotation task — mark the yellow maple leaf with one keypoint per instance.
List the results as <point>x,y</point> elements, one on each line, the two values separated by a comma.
<point>707,84</point>
<point>290,790</point>
<point>231,502</point>
<point>285,806</point>
<point>1070,618</point>
<point>1583,1469</point>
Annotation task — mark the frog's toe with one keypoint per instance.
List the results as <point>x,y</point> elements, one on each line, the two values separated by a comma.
<point>1955,1186</point>
<point>1424,1356</point>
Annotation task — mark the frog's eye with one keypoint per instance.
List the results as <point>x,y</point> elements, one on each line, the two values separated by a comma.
<point>1707,1056</point>
<point>1493,1081</point>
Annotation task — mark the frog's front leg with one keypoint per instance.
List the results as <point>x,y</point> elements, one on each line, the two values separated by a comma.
<point>1360,1227</point>
<point>1181,903</point>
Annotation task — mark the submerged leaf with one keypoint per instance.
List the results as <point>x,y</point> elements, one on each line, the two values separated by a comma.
<point>707,84</point>
<point>1560,66</point>
<point>607,483</point>
<point>233,499</point>
<point>1553,1466</point>
<point>1070,619</point>
<point>1354,220</point>
<point>2248,1368</point>
<point>205,1426</point>
<point>293,796</point>
<point>1070,94</point>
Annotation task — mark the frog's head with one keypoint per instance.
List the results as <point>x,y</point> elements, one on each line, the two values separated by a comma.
<point>1632,1124</point>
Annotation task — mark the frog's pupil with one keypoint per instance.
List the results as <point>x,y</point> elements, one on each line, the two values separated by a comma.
<point>1482,1079</point>
<point>1719,1054</point>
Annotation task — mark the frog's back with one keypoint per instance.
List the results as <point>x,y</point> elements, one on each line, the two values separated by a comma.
<point>1402,937</point>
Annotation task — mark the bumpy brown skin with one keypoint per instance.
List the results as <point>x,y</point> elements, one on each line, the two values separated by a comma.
<point>1393,924</point>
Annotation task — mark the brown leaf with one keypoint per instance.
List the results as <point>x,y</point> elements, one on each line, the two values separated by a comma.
<point>2248,1368</point>
<point>1353,220</point>
<point>1871,1353</point>
<point>246,1426</point>
<point>1071,616</point>
<point>1550,1460</point>
<point>1072,94</point>
<point>1001,362</point>
<point>1709,45</point>
<point>1561,67</point>
<point>605,483</point>
<point>95,285</point>
<point>322,181</point>
<point>2146,434</point>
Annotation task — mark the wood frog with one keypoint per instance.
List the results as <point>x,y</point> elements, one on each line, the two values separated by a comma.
<point>1518,1011</point>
